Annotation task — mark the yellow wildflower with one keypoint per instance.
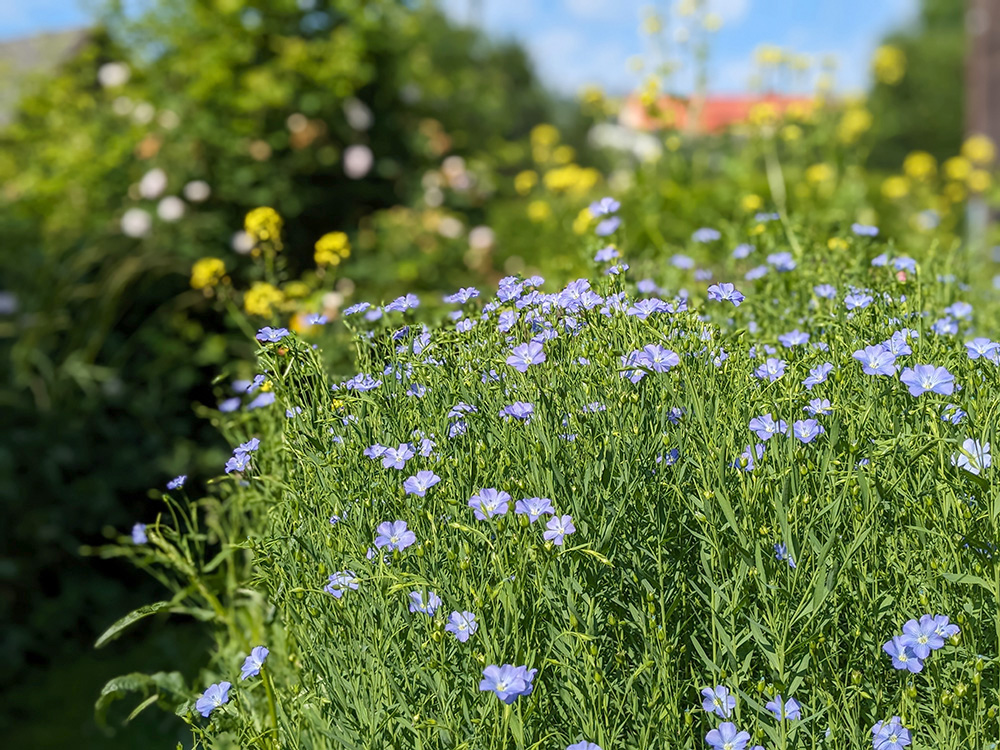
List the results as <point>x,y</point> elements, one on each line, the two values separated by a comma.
<point>563,154</point>
<point>837,243</point>
<point>763,113</point>
<point>818,173</point>
<point>296,289</point>
<point>331,249</point>
<point>979,181</point>
<point>751,202</point>
<point>958,168</point>
<point>525,181</point>
<point>207,272</point>
<point>582,221</point>
<point>263,224</point>
<point>768,54</point>
<point>854,122</point>
<point>544,135</point>
<point>979,149</point>
<point>539,211</point>
<point>895,187</point>
<point>919,165</point>
<point>955,192</point>
<point>889,64</point>
<point>791,133</point>
<point>261,298</point>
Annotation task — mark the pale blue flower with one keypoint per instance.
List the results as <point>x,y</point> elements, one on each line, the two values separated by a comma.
<point>254,662</point>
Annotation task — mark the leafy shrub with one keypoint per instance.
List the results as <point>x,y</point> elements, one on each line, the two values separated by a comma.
<point>662,513</point>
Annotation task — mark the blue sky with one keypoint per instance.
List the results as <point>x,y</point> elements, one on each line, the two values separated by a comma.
<point>576,42</point>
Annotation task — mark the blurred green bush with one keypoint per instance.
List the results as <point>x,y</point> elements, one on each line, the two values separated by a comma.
<point>141,156</point>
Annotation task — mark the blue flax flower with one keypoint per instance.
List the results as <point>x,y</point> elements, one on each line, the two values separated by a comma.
<point>420,483</point>
<point>604,206</point>
<point>214,697</point>
<point>426,605</point>
<point>864,230</point>
<point>518,410</point>
<point>765,427</point>
<point>396,458</point>
<point>771,370</point>
<point>819,406</point>
<point>254,662</point>
<point>139,534</point>
<point>982,347</point>
<point>557,528</point>
<point>340,582</point>
<point>606,254</point>
<point>177,482</point>
<point>890,735</point>
<point>718,701</point>
<point>807,430</point>
<point>921,379</point>
<point>790,709</point>
<point>534,508</point>
<point>271,335</point>
<point>781,553</point>
<point>817,375</point>
<point>793,338</point>
<point>394,535</point>
<point>922,636</point>
<point>974,456</point>
<point>903,656</point>
<point>705,234</point>
<point>727,737</point>
<point>489,503</point>
<point>525,355</point>
<point>507,682</point>
<point>608,226</point>
<point>876,360</point>
<point>726,292</point>
<point>462,625</point>
<point>584,745</point>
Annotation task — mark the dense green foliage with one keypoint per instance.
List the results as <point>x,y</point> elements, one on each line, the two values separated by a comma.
<point>109,346</point>
<point>925,109</point>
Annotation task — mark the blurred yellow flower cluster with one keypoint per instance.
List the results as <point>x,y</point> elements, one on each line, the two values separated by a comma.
<point>263,224</point>
<point>889,64</point>
<point>261,299</point>
<point>571,178</point>
<point>207,273</point>
<point>854,123</point>
<point>331,249</point>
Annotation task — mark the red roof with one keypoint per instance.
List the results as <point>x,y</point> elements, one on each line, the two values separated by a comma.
<point>716,112</point>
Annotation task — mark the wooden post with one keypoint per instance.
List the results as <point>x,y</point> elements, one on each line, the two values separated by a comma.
<point>982,95</point>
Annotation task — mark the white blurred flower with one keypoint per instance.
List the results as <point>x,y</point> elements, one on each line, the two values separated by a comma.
<point>358,161</point>
<point>357,114</point>
<point>433,197</point>
<point>481,238</point>
<point>170,208</point>
<point>136,222</point>
<point>122,106</point>
<point>152,184</point>
<point>169,119</point>
<point>450,227</point>
<point>8,303</point>
<point>197,191</point>
<point>242,242</point>
<point>113,74</point>
<point>143,113</point>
